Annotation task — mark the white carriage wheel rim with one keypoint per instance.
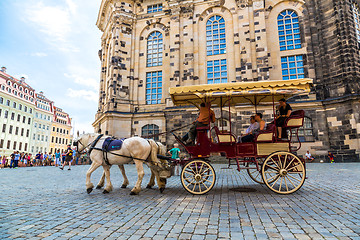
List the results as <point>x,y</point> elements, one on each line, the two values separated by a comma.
<point>190,183</point>
<point>283,170</point>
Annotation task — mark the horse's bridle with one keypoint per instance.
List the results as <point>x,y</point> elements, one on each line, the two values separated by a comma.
<point>84,150</point>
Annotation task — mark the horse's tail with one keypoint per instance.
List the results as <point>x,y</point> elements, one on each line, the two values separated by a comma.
<point>154,151</point>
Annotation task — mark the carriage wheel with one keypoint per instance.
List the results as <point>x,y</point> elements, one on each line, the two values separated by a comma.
<point>283,172</point>
<point>198,177</point>
<point>254,173</point>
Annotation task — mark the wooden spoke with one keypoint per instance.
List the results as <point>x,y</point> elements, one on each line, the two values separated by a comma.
<point>202,164</point>
<point>190,183</point>
<point>205,185</point>
<point>293,167</point>
<point>290,181</point>
<point>294,178</point>
<point>287,189</point>
<point>272,178</point>
<point>289,164</point>
<point>281,178</point>
<point>275,181</point>
<point>275,163</point>
<point>189,172</point>
<point>271,167</point>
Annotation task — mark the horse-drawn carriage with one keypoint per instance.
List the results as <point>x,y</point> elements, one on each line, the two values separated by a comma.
<point>268,159</point>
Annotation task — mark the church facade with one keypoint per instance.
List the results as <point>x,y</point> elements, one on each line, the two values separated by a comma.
<point>149,46</point>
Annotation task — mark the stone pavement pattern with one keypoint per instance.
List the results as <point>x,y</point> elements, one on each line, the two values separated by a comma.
<point>47,203</point>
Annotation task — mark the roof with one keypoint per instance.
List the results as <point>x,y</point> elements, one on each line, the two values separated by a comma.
<point>260,92</point>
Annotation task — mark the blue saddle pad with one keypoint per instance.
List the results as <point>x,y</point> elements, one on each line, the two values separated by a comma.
<point>111,144</point>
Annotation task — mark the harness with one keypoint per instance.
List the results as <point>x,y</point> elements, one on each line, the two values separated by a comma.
<point>105,151</point>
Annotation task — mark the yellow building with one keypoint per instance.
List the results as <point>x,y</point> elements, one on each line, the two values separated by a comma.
<point>61,127</point>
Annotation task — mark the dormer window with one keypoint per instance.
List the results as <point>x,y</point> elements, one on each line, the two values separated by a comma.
<point>8,83</point>
<point>15,86</point>
<point>154,8</point>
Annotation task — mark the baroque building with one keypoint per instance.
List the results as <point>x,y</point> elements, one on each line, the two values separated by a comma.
<point>61,131</point>
<point>29,122</point>
<point>17,107</point>
<point>149,46</point>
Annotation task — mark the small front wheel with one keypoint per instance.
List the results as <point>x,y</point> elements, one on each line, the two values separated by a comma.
<point>283,172</point>
<point>198,177</point>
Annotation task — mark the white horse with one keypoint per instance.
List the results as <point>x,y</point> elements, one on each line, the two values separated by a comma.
<point>138,149</point>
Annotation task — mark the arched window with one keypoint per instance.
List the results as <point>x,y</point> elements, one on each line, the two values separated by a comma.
<point>356,15</point>
<point>215,36</point>
<point>154,49</point>
<point>150,129</point>
<point>306,132</point>
<point>289,30</point>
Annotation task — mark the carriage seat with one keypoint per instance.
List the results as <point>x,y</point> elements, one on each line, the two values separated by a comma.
<point>266,135</point>
<point>224,136</point>
<point>295,120</point>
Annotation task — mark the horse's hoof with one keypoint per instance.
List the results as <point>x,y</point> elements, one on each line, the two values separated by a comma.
<point>123,186</point>
<point>133,193</point>
<point>98,187</point>
<point>162,190</point>
<point>105,191</point>
<point>149,186</point>
<point>89,190</point>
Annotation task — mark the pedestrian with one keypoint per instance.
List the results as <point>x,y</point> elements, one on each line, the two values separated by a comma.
<point>25,159</point>
<point>16,159</point>
<point>3,161</point>
<point>75,157</point>
<point>309,157</point>
<point>45,159</point>
<point>12,162</point>
<point>331,157</point>
<point>175,154</point>
<point>57,158</point>
<point>68,158</point>
<point>37,159</point>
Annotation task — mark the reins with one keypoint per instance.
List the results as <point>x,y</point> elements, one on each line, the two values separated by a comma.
<point>166,132</point>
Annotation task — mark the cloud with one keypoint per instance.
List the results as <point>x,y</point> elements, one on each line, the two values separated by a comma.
<point>54,22</point>
<point>85,81</point>
<point>85,94</point>
<point>39,54</point>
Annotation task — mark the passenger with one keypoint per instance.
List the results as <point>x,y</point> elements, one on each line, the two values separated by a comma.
<point>284,112</point>
<point>254,126</point>
<point>206,115</point>
<point>262,126</point>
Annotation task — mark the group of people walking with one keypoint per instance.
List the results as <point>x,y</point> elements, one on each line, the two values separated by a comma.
<point>57,159</point>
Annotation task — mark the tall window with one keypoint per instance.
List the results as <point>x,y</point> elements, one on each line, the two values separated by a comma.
<point>292,67</point>
<point>289,30</point>
<point>215,36</point>
<point>149,130</point>
<point>153,87</point>
<point>306,133</point>
<point>356,15</point>
<point>154,49</point>
<point>216,71</point>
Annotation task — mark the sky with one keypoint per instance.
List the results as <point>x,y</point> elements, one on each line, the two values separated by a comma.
<point>54,44</point>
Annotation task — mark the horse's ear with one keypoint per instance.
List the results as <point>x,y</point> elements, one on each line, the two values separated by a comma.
<point>77,133</point>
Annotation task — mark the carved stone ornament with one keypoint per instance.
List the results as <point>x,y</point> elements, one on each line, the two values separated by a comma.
<point>241,3</point>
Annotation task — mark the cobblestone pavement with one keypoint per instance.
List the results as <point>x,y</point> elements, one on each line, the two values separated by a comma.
<point>45,202</point>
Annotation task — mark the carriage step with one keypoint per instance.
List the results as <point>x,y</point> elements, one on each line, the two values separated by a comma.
<point>248,168</point>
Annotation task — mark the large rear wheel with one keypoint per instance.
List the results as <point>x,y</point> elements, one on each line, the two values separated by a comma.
<point>198,177</point>
<point>253,172</point>
<point>283,172</point>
